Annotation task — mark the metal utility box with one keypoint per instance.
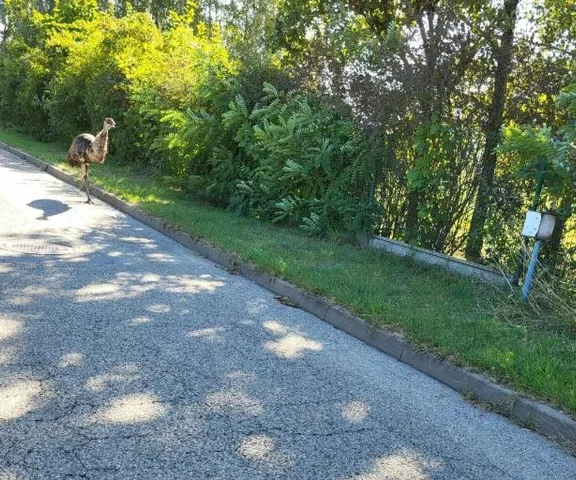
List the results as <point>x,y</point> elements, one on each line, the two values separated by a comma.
<point>539,225</point>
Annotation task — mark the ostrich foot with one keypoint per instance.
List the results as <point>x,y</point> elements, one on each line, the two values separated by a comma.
<point>89,201</point>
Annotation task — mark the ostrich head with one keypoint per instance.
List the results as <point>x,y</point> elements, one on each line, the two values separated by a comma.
<point>109,123</point>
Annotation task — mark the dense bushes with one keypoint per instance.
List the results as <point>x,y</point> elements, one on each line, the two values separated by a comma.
<point>183,108</point>
<point>23,78</point>
<point>326,126</point>
<point>291,158</point>
<point>128,69</point>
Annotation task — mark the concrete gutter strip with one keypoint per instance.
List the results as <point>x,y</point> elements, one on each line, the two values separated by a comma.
<point>542,418</point>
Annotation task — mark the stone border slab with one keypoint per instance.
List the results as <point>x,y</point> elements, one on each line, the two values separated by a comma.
<point>542,418</point>
<point>430,257</point>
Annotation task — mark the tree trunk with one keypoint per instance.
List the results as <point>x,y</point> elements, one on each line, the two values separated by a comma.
<point>411,229</point>
<point>431,103</point>
<point>492,132</point>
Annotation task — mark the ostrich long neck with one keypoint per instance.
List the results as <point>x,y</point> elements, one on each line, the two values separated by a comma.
<point>101,144</point>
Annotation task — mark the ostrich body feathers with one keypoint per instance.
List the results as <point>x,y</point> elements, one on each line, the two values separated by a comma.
<point>88,148</point>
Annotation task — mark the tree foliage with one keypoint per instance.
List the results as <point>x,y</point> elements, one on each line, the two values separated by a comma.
<point>333,116</point>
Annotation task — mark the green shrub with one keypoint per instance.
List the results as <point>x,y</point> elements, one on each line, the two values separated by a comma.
<point>24,74</point>
<point>295,160</point>
<point>185,109</point>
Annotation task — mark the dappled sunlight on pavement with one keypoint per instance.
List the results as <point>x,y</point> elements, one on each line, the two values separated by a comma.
<point>403,465</point>
<point>9,327</point>
<point>256,447</point>
<point>10,474</point>
<point>124,356</point>
<point>263,449</point>
<point>19,397</point>
<point>275,327</point>
<point>355,411</point>
<point>139,321</point>
<point>210,333</point>
<point>131,286</point>
<point>7,354</point>
<point>125,373</point>
<point>158,308</point>
<point>293,346</point>
<point>73,359</point>
<point>135,408</point>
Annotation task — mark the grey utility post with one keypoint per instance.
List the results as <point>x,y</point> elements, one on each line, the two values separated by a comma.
<point>539,226</point>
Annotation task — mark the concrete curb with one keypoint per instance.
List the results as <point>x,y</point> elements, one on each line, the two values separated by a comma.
<point>542,418</point>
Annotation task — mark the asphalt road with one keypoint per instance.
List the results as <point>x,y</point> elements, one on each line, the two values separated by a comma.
<point>125,356</point>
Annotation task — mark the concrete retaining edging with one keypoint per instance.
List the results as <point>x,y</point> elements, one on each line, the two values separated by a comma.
<point>542,418</point>
<point>430,257</point>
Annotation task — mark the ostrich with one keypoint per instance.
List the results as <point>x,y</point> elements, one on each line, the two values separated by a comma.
<point>87,149</point>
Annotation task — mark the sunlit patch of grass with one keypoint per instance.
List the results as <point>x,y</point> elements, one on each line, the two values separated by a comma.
<point>49,152</point>
<point>444,313</point>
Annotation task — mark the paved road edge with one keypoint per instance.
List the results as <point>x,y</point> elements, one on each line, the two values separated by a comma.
<point>528,413</point>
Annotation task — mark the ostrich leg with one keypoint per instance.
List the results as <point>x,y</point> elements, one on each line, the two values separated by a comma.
<point>86,184</point>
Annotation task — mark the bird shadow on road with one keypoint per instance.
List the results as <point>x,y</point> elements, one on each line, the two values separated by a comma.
<point>48,207</point>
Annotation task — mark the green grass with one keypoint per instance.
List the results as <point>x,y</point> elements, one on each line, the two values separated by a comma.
<point>449,315</point>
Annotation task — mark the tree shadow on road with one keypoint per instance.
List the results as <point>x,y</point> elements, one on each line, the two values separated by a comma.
<point>127,357</point>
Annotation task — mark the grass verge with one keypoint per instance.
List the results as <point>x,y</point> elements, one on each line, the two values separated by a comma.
<point>452,316</point>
